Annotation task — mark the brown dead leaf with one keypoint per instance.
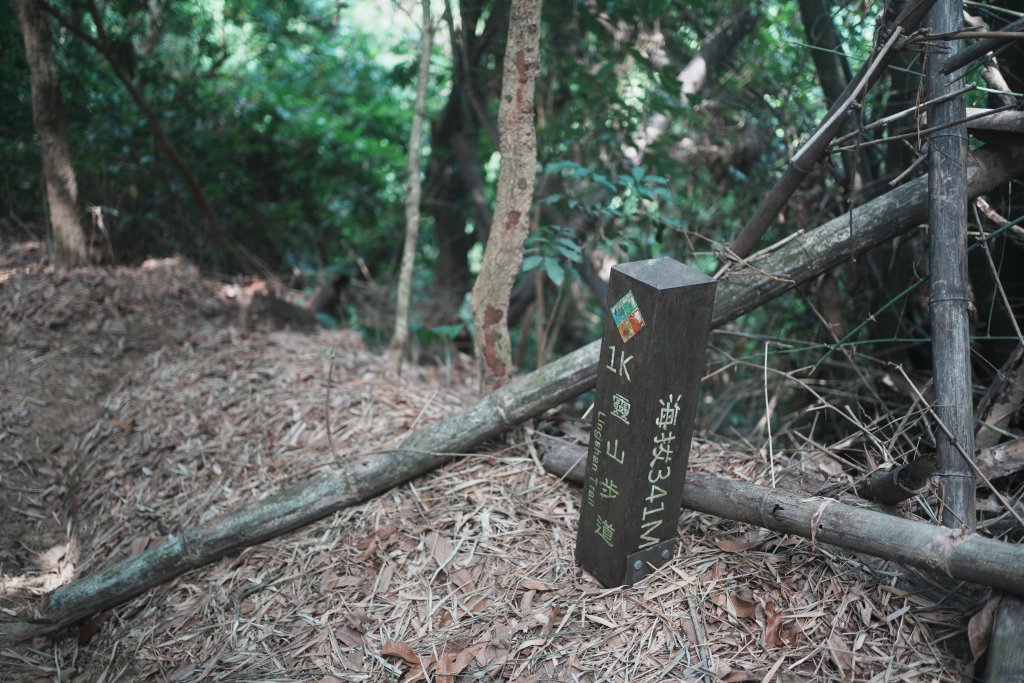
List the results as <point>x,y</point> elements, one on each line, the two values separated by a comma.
<point>739,544</point>
<point>440,548</point>
<point>387,572</point>
<point>452,664</point>
<point>349,636</point>
<point>91,628</point>
<point>534,585</point>
<point>735,605</point>
<point>840,652</point>
<point>371,548</point>
<point>789,634</point>
<point>359,619</point>
<point>399,649</point>
<point>740,677</point>
<point>418,672</point>
<point>328,581</point>
<point>980,627</point>
<point>773,625</point>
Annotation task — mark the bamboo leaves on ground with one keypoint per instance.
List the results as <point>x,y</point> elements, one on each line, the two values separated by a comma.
<point>428,448</point>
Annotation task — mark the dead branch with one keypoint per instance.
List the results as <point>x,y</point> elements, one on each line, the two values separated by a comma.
<point>1009,32</point>
<point>946,552</point>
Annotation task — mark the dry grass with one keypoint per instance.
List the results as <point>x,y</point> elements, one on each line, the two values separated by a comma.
<point>465,574</point>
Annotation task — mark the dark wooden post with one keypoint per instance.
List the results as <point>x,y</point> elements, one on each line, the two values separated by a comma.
<point>652,359</point>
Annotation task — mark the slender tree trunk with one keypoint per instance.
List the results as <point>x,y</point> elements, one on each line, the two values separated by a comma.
<point>511,221</point>
<point>48,115</point>
<point>400,338</point>
<point>453,188</point>
<point>948,289</point>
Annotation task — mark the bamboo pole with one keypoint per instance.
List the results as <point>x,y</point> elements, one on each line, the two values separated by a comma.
<point>946,552</point>
<point>430,447</point>
<point>1005,655</point>
<point>949,296</point>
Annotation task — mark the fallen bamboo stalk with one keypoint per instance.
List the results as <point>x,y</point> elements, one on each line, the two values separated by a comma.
<point>430,447</point>
<point>943,551</point>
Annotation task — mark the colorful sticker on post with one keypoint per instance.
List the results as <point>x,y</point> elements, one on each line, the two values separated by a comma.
<point>627,316</point>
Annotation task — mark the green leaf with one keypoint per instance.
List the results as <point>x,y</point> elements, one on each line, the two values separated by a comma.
<point>327,321</point>
<point>448,331</point>
<point>554,270</point>
<point>559,166</point>
<point>531,262</point>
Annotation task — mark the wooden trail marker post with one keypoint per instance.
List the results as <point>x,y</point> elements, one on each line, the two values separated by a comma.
<point>652,359</point>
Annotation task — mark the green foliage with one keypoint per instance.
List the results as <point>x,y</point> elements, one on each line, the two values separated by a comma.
<point>292,116</point>
<point>551,249</point>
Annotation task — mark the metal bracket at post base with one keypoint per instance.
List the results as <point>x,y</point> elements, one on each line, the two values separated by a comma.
<point>642,563</point>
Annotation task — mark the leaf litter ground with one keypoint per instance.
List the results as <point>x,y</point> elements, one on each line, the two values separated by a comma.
<point>135,406</point>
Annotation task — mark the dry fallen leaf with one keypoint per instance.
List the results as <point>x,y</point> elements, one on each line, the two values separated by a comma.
<point>735,605</point>
<point>840,652</point>
<point>773,627</point>
<point>740,677</point>
<point>452,664</point>
<point>741,544</point>
<point>92,627</point>
<point>420,665</point>
<point>328,581</point>
<point>980,627</point>
<point>348,636</point>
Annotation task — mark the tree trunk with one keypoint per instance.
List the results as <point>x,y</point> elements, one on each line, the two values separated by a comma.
<point>1005,655</point>
<point>102,44</point>
<point>48,115</point>
<point>454,187</point>
<point>527,396</point>
<point>400,338</point>
<point>511,221</point>
<point>949,297</point>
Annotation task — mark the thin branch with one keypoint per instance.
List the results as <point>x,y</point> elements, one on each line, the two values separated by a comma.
<point>981,48</point>
<point>809,148</point>
<point>802,162</point>
<point>927,131</point>
<point>878,123</point>
<point>995,278</point>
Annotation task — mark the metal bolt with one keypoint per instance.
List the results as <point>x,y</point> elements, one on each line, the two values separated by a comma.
<point>638,565</point>
<point>666,553</point>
